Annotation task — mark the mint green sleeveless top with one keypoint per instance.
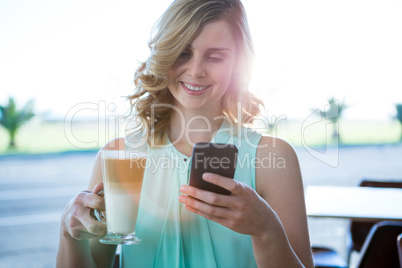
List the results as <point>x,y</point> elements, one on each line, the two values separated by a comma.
<point>175,237</point>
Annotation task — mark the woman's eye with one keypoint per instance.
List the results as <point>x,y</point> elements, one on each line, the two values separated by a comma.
<point>185,55</point>
<point>215,58</point>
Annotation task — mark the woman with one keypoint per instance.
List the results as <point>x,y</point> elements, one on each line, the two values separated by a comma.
<point>193,88</point>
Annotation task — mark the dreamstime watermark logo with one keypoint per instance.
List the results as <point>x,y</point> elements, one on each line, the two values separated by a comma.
<point>111,125</point>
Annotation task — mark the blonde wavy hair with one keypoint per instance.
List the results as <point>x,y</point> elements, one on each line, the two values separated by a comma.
<point>151,102</point>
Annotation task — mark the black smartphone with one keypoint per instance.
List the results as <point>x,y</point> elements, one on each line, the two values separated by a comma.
<point>218,158</point>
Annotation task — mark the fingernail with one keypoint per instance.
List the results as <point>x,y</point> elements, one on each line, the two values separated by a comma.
<point>206,176</point>
<point>183,188</point>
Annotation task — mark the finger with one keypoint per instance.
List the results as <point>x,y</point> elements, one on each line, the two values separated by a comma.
<point>214,218</point>
<point>206,208</point>
<point>93,226</point>
<point>227,183</point>
<point>206,196</point>
<point>91,200</point>
<point>98,187</point>
<point>96,200</point>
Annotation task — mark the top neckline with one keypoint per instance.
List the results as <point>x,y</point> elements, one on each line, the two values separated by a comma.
<point>213,139</point>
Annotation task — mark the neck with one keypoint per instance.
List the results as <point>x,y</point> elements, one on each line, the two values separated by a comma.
<point>188,127</point>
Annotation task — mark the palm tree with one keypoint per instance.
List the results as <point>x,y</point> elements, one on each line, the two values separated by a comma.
<point>12,119</point>
<point>398,116</point>
<point>334,114</point>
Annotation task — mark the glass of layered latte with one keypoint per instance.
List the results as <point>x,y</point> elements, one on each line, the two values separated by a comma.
<point>122,172</point>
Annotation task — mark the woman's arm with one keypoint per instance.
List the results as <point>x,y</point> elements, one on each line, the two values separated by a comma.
<point>79,235</point>
<point>279,183</point>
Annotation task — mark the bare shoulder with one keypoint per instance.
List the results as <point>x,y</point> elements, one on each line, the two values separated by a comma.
<point>277,166</point>
<point>272,145</point>
<point>116,144</point>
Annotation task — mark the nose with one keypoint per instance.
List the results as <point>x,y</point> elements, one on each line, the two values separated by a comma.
<point>196,67</point>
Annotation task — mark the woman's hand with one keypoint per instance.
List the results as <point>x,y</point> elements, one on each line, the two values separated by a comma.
<point>244,211</point>
<point>76,218</point>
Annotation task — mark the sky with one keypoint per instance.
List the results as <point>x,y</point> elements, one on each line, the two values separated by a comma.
<point>75,57</point>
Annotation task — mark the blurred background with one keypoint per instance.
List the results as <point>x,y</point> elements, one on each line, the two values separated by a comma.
<point>329,73</point>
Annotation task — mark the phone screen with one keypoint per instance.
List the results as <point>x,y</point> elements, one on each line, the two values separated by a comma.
<point>215,158</point>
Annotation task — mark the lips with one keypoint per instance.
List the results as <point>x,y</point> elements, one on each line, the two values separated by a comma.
<point>194,89</point>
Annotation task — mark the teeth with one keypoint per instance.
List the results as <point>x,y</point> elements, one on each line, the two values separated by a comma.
<point>194,88</point>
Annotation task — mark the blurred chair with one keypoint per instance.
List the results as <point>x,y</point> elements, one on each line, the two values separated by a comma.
<point>327,258</point>
<point>116,263</point>
<point>399,245</point>
<point>358,229</point>
<point>379,248</point>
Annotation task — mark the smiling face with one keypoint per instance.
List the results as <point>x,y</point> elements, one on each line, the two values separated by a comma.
<point>202,74</point>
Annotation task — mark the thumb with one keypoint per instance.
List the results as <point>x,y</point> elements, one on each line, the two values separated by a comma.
<point>98,187</point>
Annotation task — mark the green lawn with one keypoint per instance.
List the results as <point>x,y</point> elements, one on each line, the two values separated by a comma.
<point>41,137</point>
<point>351,132</point>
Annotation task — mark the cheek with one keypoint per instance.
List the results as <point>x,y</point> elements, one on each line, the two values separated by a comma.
<point>224,74</point>
<point>224,79</point>
<point>174,71</point>
<point>171,75</point>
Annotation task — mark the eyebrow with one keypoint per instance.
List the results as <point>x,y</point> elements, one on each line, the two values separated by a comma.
<point>213,49</point>
<point>218,49</point>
